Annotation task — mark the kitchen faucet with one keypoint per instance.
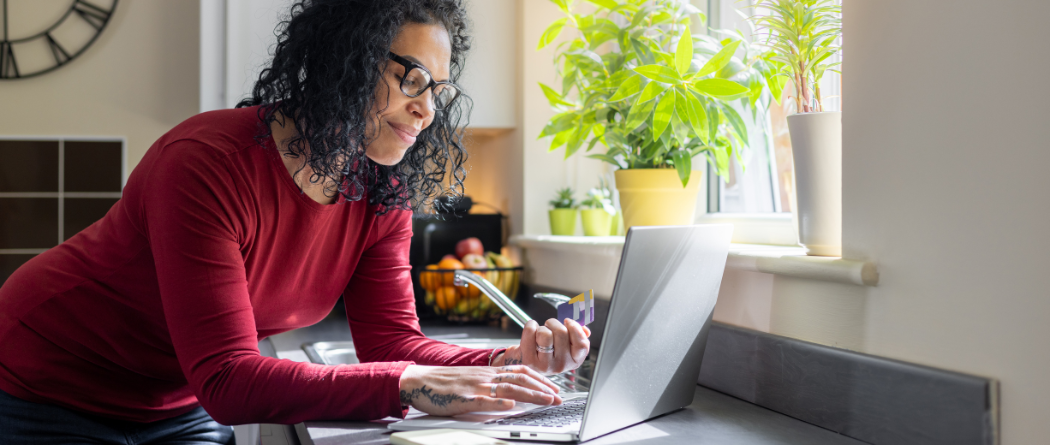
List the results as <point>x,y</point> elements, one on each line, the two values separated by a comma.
<point>462,277</point>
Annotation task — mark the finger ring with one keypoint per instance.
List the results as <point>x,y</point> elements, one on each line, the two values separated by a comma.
<point>492,391</point>
<point>545,349</point>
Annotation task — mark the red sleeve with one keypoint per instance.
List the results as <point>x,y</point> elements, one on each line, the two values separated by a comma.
<point>193,216</point>
<point>381,307</point>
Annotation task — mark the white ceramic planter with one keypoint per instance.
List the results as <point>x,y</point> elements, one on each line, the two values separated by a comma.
<point>816,144</point>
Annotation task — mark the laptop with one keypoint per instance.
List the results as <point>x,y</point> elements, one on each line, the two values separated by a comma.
<point>649,359</point>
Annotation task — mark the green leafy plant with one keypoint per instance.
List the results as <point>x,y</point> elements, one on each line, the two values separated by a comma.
<point>801,36</point>
<point>599,198</point>
<point>564,199</point>
<point>638,82</point>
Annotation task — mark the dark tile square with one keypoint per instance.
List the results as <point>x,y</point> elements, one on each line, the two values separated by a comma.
<point>93,166</point>
<point>83,212</point>
<point>28,166</point>
<point>10,263</point>
<point>28,223</point>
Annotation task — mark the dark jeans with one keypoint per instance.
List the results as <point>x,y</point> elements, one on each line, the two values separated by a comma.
<point>23,422</point>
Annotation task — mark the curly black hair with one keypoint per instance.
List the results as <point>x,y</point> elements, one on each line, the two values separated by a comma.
<point>327,64</point>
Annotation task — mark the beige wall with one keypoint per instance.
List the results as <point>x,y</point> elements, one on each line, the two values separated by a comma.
<point>545,172</point>
<point>139,79</point>
<point>945,187</point>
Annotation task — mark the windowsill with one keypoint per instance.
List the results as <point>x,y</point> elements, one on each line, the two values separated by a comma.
<point>778,260</point>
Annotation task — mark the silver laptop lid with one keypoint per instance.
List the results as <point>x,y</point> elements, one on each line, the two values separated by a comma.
<point>656,330</point>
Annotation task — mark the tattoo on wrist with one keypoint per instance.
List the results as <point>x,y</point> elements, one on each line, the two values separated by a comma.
<point>509,360</point>
<point>436,399</point>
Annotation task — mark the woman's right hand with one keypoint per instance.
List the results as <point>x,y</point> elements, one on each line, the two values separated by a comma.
<point>451,390</point>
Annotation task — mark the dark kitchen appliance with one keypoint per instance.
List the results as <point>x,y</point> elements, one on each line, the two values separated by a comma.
<point>436,235</point>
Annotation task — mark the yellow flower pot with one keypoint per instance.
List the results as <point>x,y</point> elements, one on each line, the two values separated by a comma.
<point>655,196</point>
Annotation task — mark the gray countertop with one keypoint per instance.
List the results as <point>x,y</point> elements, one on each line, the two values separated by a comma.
<point>713,418</point>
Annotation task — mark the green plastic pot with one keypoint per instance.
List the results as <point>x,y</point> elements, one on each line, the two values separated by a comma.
<point>563,221</point>
<point>596,222</point>
<point>617,225</point>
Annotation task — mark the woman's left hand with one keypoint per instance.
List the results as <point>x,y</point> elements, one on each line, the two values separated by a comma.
<point>553,348</point>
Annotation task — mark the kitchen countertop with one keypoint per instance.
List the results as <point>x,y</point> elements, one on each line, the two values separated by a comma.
<point>713,418</point>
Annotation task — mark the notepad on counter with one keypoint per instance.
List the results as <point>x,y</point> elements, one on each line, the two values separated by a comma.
<point>580,308</point>
<point>442,437</point>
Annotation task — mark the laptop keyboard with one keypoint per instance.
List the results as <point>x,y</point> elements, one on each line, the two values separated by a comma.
<point>568,413</point>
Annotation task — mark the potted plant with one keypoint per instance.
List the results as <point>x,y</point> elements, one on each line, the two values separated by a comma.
<point>801,36</point>
<point>637,81</point>
<point>597,211</point>
<point>563,213</point>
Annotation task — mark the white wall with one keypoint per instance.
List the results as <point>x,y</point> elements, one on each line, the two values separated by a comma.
<point>137,80</point>
<point>545,172</point>
<point>945,185</point>
<point>490,76</point>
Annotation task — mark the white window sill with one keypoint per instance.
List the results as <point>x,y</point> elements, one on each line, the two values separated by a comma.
<point>757,228</point>
<point>789,261</point>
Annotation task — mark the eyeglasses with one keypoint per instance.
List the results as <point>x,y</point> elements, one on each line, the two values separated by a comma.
<point>417,79</point>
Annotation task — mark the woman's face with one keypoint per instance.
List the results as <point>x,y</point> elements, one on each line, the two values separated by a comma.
<point>401,118</point>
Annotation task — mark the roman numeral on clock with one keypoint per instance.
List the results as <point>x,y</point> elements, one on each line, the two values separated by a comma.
<point>32,47</point>
<point>94,15</point>
<point>60,53</point>
<point>8,64</point>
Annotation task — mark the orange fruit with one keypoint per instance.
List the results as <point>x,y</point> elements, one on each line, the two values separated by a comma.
<point>446,297</point>
<point>471,291</point>
<point>448,278</point>
<point>429,280</point>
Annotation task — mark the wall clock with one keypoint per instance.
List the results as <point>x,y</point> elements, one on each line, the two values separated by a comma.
<point>42,36</point>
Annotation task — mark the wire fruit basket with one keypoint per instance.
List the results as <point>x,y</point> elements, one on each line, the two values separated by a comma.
<point>467,303</point>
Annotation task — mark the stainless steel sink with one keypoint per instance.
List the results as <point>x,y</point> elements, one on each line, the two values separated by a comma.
<point>344,353</point>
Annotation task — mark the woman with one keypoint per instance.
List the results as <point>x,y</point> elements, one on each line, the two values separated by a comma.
<point>240,224</point>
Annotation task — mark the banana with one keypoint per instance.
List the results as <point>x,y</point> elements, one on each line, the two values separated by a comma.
<point>492,275</point>
<point>508,278</point>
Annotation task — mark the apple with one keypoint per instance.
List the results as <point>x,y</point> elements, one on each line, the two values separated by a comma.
<point>475,261</point>
<point>469,245</point>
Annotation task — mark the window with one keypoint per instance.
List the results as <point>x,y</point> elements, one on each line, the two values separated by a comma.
<point>51,189</point>
<point>759,198</point>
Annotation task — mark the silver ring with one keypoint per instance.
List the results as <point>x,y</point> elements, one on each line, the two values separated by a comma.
<point>545,349</point>
<point>492,391</point>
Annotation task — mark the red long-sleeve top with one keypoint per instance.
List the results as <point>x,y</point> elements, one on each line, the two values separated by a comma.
<point>160,305</point>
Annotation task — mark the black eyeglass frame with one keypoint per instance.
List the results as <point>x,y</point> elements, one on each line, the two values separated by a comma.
<point>409,66</point>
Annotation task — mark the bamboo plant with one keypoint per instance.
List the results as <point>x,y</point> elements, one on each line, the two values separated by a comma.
<point>636,80</point>
<point>801,36</point>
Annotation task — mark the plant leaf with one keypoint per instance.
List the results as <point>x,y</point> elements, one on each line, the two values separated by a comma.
<point>562,4</point>
<point>553,97</point>
<point>658,73</point>
<point>579,135</point>
<point>560,139</point>
<point>736,122</point>
<point>719,60</point>
<point>651,91</point>
<point>552,32</point>
<point>638,114</point>
<point>683,163</point>
<point>590,55</point>
<point>718,87</point>
<point>607,4</point>
<point>628,88</point>
<point>683,55</point>
<point>558,124</point>
<point>663,112</point>
<point>697,117</point>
